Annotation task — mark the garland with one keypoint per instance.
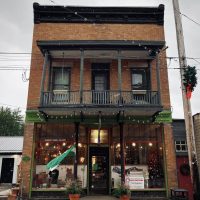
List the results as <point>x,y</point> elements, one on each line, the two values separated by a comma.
<point>189,80</point>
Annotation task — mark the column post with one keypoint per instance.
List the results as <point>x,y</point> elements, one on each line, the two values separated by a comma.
<point>76,145</point>
<point>81,75</point>
<point>121,127</point>
<point>43,76</point>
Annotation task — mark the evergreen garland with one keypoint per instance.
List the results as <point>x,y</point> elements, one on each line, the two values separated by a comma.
<point>189,77</point>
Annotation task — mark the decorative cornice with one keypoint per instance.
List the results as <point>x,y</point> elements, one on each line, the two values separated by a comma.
<point>77,14</point>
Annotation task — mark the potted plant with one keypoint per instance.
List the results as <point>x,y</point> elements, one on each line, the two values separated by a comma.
<point>74,190</point>
<point>123,192</point>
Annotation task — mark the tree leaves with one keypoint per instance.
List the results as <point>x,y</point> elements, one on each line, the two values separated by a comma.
<point>11,122</point>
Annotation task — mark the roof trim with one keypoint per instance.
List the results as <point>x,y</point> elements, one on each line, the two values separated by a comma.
<point>81,14</point>
<point>47,45</point>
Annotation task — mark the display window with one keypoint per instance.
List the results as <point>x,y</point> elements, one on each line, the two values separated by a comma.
<point>51,140</point>
<point>143,152</point>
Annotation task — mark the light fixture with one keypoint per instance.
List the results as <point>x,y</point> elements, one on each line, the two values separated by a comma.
<point>133,144</point>
<point>150,144</point>
<point>79,144</point>
<point>46,144</point>
<point>82,159</point>
<point>64,144</point>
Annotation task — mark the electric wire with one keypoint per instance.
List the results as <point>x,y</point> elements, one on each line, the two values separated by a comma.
<point>197,23</point>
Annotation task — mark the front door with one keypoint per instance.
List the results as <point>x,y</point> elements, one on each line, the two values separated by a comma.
<point>99,170</point>
<point>7,170</point>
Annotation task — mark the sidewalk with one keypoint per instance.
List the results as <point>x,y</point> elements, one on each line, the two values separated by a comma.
<point>4,191</point>
<point>99,198</point>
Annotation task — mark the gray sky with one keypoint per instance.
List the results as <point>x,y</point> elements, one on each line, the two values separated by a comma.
<point>16,22</point>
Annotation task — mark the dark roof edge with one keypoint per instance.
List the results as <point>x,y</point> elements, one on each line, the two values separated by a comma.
<point>196,114</point>
<point>178,119</point>
<point>100,44</point>
<point>85,14</point>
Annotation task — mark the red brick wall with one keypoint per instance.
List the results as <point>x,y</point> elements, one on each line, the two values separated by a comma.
<point>170,157</point>
<point>27,151</point>
<point>48,31</point>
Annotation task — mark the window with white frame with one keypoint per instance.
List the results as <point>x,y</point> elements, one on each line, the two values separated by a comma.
<point>181,145</point>
<point>140,79</point>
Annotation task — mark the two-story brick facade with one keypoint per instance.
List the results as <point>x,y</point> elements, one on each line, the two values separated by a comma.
<point>99,80</point>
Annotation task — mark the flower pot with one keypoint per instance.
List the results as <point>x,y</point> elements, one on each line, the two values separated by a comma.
<point>124,197</point>
<point>74,196</point>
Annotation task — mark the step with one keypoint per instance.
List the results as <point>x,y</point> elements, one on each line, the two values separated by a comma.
<point>3,197</point>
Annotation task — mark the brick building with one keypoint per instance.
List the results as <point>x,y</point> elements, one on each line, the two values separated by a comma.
<point>182,163</point>
<point>99,80</point>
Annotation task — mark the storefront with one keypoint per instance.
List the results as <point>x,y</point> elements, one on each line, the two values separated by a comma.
<point>99,157</point>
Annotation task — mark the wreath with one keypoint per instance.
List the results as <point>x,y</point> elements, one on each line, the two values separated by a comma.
<point>185,169</point>
<point>189,80</point>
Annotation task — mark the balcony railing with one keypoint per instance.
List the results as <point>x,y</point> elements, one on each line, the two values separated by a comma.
<point>101,98</point>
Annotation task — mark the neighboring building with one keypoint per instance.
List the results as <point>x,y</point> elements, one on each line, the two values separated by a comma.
<point>99,80</point>
<point>10,158</point>
<point>182,163</point>
<point>196,121</point>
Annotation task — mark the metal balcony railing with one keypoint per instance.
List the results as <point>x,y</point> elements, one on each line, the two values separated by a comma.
<point>107,97</point>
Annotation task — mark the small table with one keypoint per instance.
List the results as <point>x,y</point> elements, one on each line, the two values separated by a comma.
<point>179,194</point>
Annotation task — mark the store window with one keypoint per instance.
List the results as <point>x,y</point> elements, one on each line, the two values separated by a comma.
<point>181,146</point>
<point>51,141</point>
<point>143,157</point>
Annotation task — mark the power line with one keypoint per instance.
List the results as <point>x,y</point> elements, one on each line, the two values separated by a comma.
<point>190,19</point>
<point>176,57</point>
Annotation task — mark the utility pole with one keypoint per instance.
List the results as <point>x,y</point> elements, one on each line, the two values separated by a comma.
<point>186,101</point>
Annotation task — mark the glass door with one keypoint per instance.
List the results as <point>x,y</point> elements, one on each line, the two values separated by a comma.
<point>99,170</point>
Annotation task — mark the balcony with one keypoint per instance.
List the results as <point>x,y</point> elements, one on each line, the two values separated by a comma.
<point>133,102</point>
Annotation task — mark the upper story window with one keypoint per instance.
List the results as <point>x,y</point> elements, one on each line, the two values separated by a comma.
<point>181,146</point>
<point>140,79</point>
<point>61,78</point>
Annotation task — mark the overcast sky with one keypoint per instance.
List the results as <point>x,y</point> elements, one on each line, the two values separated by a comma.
<point>16,22</point>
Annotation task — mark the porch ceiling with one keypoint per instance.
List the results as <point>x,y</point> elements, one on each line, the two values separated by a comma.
<point>100,54</point>
<point>101,48</point>
<point>139,111</point>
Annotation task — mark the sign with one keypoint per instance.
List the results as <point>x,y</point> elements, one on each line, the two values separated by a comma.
<point>135,182</point>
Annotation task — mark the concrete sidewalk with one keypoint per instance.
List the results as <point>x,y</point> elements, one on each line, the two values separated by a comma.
<point>99,198</point>
<point>5,190</point>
